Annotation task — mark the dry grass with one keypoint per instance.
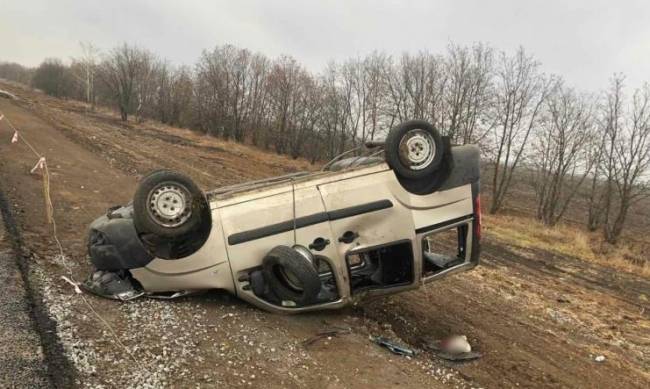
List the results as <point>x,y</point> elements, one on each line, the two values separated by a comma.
<point>566,240</point>
<point>81,111</point>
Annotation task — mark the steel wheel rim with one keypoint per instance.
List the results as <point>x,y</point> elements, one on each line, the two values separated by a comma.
<point>169,204</point>
<point>417,149</point>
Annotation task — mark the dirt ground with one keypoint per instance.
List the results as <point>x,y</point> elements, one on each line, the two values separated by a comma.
<point>538,319</point>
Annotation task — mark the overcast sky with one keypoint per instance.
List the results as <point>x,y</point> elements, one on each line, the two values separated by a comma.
<point>583,40</point>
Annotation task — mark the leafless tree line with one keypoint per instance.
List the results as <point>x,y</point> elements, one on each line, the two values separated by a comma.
<point>16,72</point>
<point>622,158</point>
<point>571,143</point>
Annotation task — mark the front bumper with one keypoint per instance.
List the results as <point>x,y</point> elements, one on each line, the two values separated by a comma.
<point>113,242</point>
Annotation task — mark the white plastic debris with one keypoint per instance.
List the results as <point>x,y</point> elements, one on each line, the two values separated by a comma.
<point>600,358</point>
<point>453,348</point>
<point>7,95</point>
<point>455,344</point>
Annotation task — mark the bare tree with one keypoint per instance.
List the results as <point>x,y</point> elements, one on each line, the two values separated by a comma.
<point>375,88</point>
<point>611,115</point>
<point>361,82</point>
<point>451,92</point>
<point>126,72</point>
<point>563,160</point>
<point>333,118</point>
<point>627,155</point>
<point>84,69</point>
<point>520,91</point>
<point>470,77</point>
<point>595,196</point>
<point>173,95</point>
<point>258,100</point>
<point>415,87</point>
<point>54,78</point>
<point>286,84</point>
<point>146,87</point>
<point>437,86</point>
<point>398,107</point>
<point>16,72</point>
<point>231,87</point>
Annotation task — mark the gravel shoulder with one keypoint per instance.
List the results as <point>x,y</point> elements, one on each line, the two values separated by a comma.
<point>21,355</point>
<point>30,351</point>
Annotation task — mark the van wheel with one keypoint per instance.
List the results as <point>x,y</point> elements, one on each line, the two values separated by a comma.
<point>436,180</point>
<point>291,276</point>
<point>168,204</point>
<point>414,149</point>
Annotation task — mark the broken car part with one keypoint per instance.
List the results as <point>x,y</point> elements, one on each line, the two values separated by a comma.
<point>116,285</point>
<point>393,347</point>
<point>172,295</point>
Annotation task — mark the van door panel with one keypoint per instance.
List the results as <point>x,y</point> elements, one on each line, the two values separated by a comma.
<point>253,228</point>
<point>375,227</point>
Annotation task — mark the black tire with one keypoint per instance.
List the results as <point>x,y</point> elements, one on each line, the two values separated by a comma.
<point>435,181</point>
<point>429,138</point>
<point>305,284</point>
<point>195,205</point>
<point>154,171</point>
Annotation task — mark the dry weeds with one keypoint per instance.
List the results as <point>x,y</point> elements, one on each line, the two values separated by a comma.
<point>567,240</point>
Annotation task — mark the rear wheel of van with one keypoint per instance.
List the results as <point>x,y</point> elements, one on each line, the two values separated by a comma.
<point>414,150</point>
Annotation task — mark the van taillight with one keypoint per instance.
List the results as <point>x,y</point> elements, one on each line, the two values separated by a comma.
<point>477,217</point>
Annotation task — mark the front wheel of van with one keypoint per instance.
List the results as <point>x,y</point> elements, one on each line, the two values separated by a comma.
<point>168,204</point>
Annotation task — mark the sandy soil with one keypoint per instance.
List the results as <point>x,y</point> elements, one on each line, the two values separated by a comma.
<point>539,319</point>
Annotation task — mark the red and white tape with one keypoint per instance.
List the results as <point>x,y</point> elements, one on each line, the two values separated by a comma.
<point>39,165</point>
<point>74,284</point>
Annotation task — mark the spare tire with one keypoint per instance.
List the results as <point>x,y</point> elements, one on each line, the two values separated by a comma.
<point>414,149</point>
<point>168,204</point>
<point>291,276</point>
